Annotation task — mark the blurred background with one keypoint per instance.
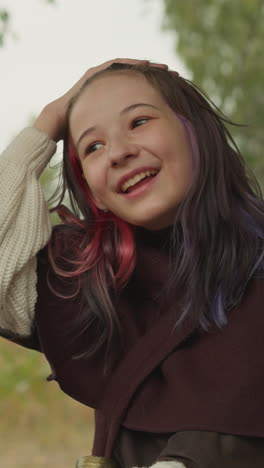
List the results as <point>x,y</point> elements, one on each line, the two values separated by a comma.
<point>45,46</point>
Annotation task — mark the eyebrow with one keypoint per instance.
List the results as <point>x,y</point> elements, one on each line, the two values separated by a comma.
<point>124,111</point>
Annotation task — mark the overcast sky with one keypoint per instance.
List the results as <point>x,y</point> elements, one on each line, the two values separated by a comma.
<point>55,44</point>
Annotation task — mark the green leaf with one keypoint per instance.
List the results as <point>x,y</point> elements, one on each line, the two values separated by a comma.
<point>221,43</point>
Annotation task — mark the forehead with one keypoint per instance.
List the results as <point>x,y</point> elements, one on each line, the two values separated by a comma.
<point>113,92</point>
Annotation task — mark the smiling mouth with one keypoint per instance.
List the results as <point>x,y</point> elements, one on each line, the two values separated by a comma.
<point>140,188</point>
<point>138,181</point>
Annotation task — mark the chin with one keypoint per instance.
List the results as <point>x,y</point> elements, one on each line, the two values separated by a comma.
<point>158,219</point>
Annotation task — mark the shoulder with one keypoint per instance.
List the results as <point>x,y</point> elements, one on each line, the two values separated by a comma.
<point>57,305</point>
<point>57,294</point>
<point>59,310</point>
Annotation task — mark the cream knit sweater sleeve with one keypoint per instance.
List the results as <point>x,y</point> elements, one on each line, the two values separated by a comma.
<point>24,226</point>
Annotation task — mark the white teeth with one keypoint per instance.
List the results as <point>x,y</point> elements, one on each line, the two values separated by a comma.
<point>134,180</point>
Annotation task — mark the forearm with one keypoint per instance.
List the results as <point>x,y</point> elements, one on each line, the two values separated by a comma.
<point>50,123</point>
<point>24,226</point>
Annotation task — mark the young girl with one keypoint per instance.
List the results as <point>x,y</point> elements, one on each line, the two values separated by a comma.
<point>147,300</point>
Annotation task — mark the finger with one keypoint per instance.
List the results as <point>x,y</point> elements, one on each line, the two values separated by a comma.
<point>130,61</point>
<point>93,70</point>
<point>174,72</point>
<point>159,65</point>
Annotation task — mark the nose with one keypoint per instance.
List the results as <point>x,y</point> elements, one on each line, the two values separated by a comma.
<point>121,149</point>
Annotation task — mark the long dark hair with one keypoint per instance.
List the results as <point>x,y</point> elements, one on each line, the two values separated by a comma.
<point>217,241</point>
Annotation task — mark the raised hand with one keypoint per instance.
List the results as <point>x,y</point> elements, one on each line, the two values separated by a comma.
<point>52,119</point>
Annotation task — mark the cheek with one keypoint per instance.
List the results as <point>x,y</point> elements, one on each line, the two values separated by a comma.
<point>178,157</point>
<point>171,139</point>
<point>94,178</point>
<point>183,149</point>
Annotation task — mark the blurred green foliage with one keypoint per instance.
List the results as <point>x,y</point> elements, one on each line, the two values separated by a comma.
<point>5,22</point>
<point>221,43</point>
<point>40,426</point>
<point>21,372</point>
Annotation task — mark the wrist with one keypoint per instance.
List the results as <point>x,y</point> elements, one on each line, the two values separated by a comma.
<point>49,124</point>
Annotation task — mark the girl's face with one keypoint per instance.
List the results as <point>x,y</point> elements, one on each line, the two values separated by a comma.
<point>133,149</point>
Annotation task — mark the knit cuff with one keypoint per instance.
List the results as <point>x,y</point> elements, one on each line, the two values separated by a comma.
<point>31,149</point>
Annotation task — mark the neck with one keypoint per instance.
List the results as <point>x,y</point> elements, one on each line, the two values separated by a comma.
<point>157,239</point>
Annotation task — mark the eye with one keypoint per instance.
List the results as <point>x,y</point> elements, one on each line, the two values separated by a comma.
<point>93,147</point>
<point>139,122</point>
